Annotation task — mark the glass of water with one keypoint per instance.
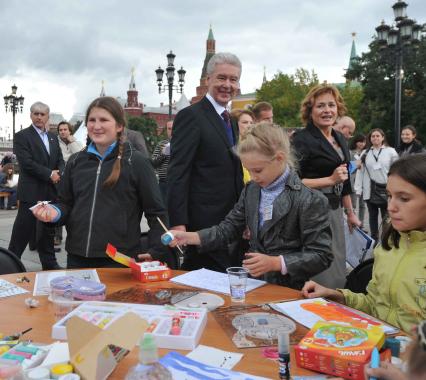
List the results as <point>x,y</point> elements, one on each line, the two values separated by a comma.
<point>237,283</point>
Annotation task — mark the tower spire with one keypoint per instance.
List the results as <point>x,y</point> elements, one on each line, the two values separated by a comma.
<point>264,75</point>
<point>132,85</point>
<point>353,55</point>
<point>102,89</point>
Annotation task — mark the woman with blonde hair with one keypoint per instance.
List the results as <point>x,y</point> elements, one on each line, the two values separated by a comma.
<point>105,190</point>
<point>289,226</point>
<point>323,165</point>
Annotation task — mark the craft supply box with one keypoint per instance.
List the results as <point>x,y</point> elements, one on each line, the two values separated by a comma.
<point>337,349</point>
<point>102,314</point>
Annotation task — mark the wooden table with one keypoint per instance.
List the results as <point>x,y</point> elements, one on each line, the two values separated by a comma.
<point>16,316</point>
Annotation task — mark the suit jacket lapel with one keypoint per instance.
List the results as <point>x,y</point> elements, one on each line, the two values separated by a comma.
<point>216,121</point>
<point>37,139</point>
<point>323,143</point>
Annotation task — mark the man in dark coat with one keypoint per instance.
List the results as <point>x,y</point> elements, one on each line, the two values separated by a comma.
<point>40,162</point>
<point>205,175</point>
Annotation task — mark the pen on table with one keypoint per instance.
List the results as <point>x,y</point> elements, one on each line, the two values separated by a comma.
<point>166,230</point>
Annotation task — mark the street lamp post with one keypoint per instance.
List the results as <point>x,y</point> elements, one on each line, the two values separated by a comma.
<point>398,38</point>
<point>170,75</point>
<point>14,104</point>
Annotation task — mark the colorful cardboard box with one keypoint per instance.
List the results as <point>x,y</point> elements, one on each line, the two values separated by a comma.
<point>338,349</point>
<point>144,272</point>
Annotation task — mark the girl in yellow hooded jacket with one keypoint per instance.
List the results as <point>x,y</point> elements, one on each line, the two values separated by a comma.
<point>397,290</point>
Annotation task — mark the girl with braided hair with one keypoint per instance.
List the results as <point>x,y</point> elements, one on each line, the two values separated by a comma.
<point>105,190</point>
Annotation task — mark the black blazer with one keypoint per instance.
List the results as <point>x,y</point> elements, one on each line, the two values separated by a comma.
<point>316,157</point>
<point>204,175</point>
<point>36,165</point>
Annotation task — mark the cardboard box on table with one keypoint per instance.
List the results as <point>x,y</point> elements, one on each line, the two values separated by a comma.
<point>161,273</point>
<point>88,344</point>
<point>338,349</point>
<point>193,321</point>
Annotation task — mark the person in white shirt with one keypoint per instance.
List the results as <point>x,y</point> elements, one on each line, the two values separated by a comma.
<point>376,163</point>
<point>69,145</point>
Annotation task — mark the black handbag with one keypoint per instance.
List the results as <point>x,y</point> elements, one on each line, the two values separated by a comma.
<point>378,193</point>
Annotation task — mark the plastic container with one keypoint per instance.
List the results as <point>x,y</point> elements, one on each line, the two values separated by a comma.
<point>40,373</point>
<point>78,289</point>
<point>61,369</point>
<point>148,367</point>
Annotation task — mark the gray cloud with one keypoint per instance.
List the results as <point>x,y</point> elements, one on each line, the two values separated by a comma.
<point>78,43</point>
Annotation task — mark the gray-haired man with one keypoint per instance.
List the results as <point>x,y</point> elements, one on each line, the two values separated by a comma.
<point>40,162</point>
<point>204,175</point>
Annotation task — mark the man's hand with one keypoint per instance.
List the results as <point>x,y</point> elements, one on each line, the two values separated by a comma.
<point>145,257</point>
<point>259,263</point>
<point>45,213</point>
<point>55,177</point>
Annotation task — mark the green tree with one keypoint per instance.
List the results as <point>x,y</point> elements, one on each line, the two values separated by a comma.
<point>353,96</point>
<point>376,71</point>
<point>148,128</point>
<point>285,93</point>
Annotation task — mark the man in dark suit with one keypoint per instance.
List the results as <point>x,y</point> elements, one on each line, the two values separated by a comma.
<point>40,162</point>
<point>205,175</point>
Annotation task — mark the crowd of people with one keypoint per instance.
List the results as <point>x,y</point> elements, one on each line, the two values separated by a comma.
<point>234,189</point>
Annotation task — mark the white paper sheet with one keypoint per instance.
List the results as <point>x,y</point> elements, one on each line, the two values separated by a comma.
<point>215,357</point>
<point>42,280</point>
<point>7,289</point>
<point>211,280</point>
<point>184,368</point>
<point>307,318</point>
<point>59,353</point>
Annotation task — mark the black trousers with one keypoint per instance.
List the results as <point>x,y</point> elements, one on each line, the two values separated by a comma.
<point>373,218</point>
<point>25,224</point>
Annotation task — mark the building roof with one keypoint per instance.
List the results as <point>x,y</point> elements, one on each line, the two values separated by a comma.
<point>245,96</point>
<point>183,102</point>
<point>164,109</point>
<point>77,117</point>
<point>55,118</point>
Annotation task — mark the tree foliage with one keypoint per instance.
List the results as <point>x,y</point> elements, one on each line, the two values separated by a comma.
<point>376,71</point>
<point>148,128</point>
<point>285,93</point>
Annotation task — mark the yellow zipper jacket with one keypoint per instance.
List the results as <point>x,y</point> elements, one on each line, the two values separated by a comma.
<point>397,290</point>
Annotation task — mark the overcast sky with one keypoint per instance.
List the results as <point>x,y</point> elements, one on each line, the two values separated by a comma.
<point>60,51</point>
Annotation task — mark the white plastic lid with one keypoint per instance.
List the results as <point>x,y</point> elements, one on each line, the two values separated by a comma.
<point>40,373</point>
